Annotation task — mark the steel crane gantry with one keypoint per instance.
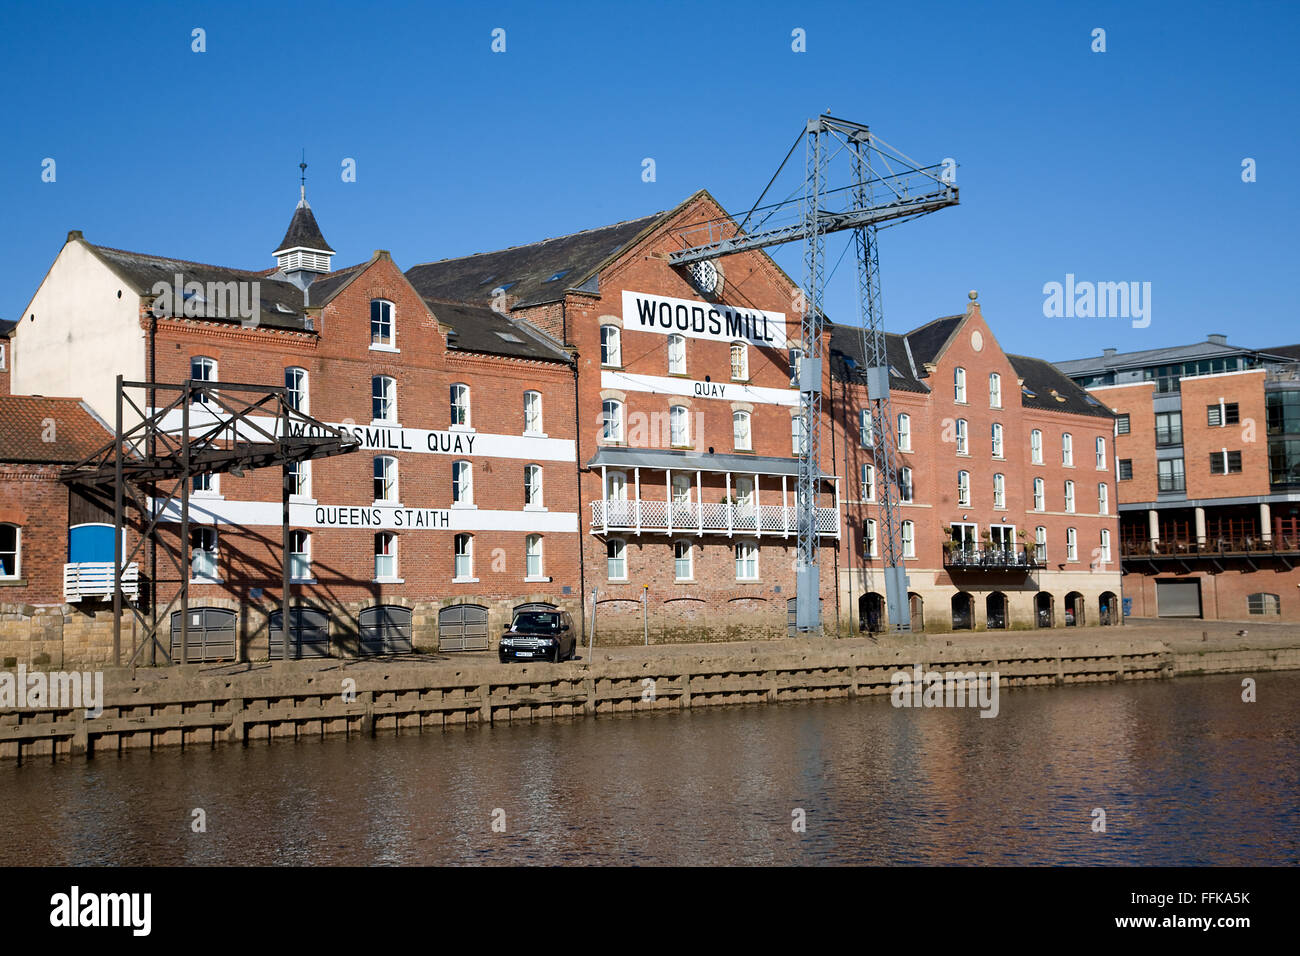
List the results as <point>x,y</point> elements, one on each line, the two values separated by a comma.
<point>885,187</point>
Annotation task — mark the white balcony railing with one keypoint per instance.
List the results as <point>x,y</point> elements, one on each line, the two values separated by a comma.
<point>654,515</point>
<point>94,579</point>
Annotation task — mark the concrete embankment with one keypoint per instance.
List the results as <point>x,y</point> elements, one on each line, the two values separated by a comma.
<point>203,705</point>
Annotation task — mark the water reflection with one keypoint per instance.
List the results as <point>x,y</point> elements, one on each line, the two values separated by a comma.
<point>1186,773</point>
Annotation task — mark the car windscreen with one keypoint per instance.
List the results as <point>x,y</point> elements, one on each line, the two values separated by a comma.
<point>537,622</point>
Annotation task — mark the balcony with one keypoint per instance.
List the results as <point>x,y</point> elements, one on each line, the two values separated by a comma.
<point>993,559</point>
<point>1251,550</point>
<point>1283,374</point>
<point>94,579</point>
<point>640,515</point>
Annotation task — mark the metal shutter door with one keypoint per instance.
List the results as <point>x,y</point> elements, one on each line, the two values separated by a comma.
<point>1178,598</point>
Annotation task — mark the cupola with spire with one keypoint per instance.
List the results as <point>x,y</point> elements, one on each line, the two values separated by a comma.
<point>303,253</point>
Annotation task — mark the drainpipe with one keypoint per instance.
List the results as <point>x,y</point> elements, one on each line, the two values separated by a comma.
<point>153,538</point>
<point>577,471</point>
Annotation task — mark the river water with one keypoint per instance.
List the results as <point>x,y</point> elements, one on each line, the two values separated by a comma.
<point>1185,771</point>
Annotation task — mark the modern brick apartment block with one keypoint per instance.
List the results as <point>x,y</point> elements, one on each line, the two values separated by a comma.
<point>1208,458</point>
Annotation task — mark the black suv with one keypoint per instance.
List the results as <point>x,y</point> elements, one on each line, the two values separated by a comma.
<point>539,635</point>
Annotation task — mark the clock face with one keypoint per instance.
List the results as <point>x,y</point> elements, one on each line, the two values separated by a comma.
<point>704,275</point>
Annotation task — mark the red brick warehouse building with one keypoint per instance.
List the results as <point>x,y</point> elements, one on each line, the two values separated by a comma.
<point>577,415</point>
<point>685,412</point>
<point>462,503</point>
<point>1006,484</point>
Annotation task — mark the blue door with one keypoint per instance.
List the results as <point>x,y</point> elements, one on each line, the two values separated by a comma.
<point>90,543</point>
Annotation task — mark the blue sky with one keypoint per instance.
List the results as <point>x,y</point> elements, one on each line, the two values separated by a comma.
<point>1115,166</point>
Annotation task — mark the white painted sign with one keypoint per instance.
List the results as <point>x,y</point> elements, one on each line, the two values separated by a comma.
<point>643,312</point>
<point>205,511</point>
<point>381,437</point>
<point>726,391</point>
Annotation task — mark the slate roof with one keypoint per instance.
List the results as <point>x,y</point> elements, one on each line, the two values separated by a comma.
<point>76,432</point>
<point>477,328</point>
<point>303,231</point>
<point>1043,378</point>
<point>281,302</point>
<point>1281,351</point>
<point>7,326</point>
<point>927,341</point>
<point>846,341</point>
<point>528,271</point>
<point>325,287</point>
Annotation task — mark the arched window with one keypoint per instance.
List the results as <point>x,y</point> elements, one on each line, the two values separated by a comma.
<point>464,557</point>
<point>1105,546</point>
<point>533,413</point>
<point>203,554</point>
<point>533,556</point>
<point>460,406</point>
<point>1067,449</point>
<point>1069,497</point>
<point>683,561</point>
<point>616,559</point>
<point>1101,454</point>
<point>999,491</point>
<point>739,361</point>
<point>611,350</point>
<point>869,549</point>
<point>963,489</point>
<point>611,418</point>
<point>385,556</point>
<point>385,473</point>
<point>11,551</point>
<point>865,438</point>
<point>205,484</point>
<point>746,561</point>
<point>676,354</point>
<point>904,432</point>
<point>959,385</point>
<point>740,431</point>
<point>300,479</point>
<point>382,331</point>
<point>1040,495</point>
<point>532,486</point>
<point>909,539</point>
<point>203,369</point>
<point>383,399</point>
<point>1263,602</point>
<point>997,440</point>
<point>1103,499</point>
<point>679,426</point>
<point>905,485</point>
<point>796,434</point>
<point>295,384</point>
<point>963,444</point>
<point>995,390</point>
<point>462,483</point>
<point>1036,447</point>
<point>1071,544</point>
<point>300,555</point>
<point>868,483</point>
